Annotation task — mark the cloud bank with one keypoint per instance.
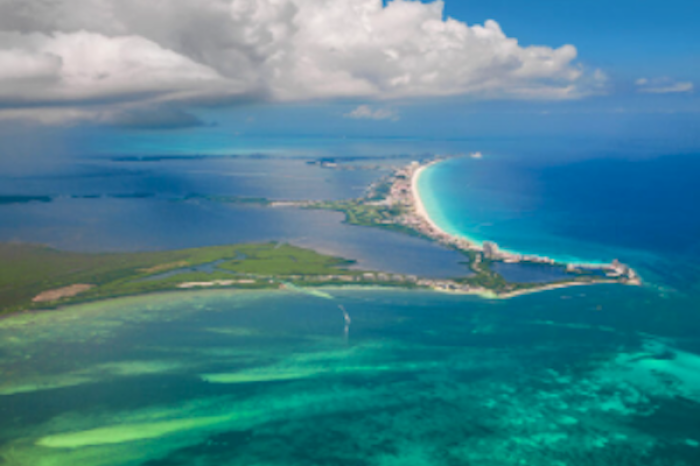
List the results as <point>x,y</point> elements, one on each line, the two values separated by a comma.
<point>96,57</point>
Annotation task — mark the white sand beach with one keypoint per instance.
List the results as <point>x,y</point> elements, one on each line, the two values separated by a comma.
<point>418,203</point>
<point>423,213</point>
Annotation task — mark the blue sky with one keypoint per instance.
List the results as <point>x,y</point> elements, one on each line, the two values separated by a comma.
<point>627,38</point>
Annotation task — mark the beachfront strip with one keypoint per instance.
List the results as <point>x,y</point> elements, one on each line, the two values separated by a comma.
<point>394,203</point>
<point>404,192</point>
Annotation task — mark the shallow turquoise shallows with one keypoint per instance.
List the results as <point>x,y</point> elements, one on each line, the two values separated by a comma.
<point>571,377</point>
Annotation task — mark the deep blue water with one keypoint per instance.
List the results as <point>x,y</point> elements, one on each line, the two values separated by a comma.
<point>641,210</point>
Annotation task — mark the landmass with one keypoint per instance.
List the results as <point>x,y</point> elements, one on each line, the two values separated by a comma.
<point>39,277</point>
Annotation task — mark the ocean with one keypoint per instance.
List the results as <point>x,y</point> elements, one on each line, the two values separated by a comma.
<point>595,375</point>
<point>642,211</point>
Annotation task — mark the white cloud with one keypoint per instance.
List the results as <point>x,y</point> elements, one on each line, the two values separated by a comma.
<point>16,65</point>
<point>84,65</point>
<point>407,49</point>
<point>663,86</point>
<point>365,112</point>
<point>211,51</point>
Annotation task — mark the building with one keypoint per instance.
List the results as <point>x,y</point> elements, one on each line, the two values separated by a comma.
<point>490,250</point>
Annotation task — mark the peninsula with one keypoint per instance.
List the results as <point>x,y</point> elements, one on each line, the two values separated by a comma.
<point>394,203</point>
<point>39,277</point>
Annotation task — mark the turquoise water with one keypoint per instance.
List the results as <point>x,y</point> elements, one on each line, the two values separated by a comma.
<point>597,376</point>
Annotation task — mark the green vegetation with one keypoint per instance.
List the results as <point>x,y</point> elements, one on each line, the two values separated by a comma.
<point>367,215</point>
<point>286,260</point>
<point>487,278</point>
<point>357,213</point>
<point>27,270</point>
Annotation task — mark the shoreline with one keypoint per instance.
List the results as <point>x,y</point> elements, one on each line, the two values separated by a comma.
<point>419,220</point>
<point>169,293</point>
<point>422,212</point>
<point>487,294</point>
<point>419,206</point>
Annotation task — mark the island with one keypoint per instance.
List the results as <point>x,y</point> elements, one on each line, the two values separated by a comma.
<point>39,277</point>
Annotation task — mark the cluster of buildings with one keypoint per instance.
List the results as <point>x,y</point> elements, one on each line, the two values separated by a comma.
<point>399,188</point>
<point>448,285</point>
<point>617,269</point>
<point>493,253</point>
<point>401,194</point>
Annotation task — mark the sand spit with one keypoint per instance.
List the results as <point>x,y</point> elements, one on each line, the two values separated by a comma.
<point>58,293</point>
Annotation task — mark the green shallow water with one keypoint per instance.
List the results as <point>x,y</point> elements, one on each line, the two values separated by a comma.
<point>594,376</point>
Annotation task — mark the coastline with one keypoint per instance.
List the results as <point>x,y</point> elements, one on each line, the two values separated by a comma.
<point>309,291</point>
<point>423,213</point>
<point>418,218</point>
<point>482,293</point>
<point>394,203</point>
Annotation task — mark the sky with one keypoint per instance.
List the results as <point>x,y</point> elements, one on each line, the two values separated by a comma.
<point>96,74</point>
